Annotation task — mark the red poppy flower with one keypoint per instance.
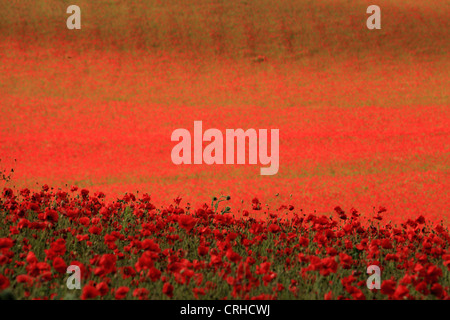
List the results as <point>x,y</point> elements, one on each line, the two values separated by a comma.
<point>51,216</point>
<point>386,244</point>
<point>24,278</point>
<point>121,293</point>
<point>149,244</point>
<point>108,263</point>
<point>84,193</point>
<point>233,256</point>
<point>59,265</point>
<point>274,228</point>
<point>437,290</point>
<point>95,230</point>
<point>154,274</point>
<point>168,289</point>
<point>145,261</point>
<point>6,243</point>
<point>401,292</point>
<point>4,282</point>
<point>102,288</point>
<point>388,287</point>
<point>141,293</point>
<point>85,221</point>
<point>187,222</point>
<point>256,205</point>
<point>89,292</point>
<point>202,251</point>
<point>128,272</point>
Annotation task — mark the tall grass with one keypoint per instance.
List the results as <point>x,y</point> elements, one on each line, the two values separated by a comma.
<point>234,28</point>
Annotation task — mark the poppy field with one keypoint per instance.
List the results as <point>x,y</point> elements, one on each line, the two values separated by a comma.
<point>86,118</point>
<point>131,249</point>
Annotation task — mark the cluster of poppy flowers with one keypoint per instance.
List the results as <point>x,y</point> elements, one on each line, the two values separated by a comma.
<point>131,249</point>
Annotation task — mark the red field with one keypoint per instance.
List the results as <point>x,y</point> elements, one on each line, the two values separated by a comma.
<point>364,117</point>
<point>349,135</point>
<point>132,250</point>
